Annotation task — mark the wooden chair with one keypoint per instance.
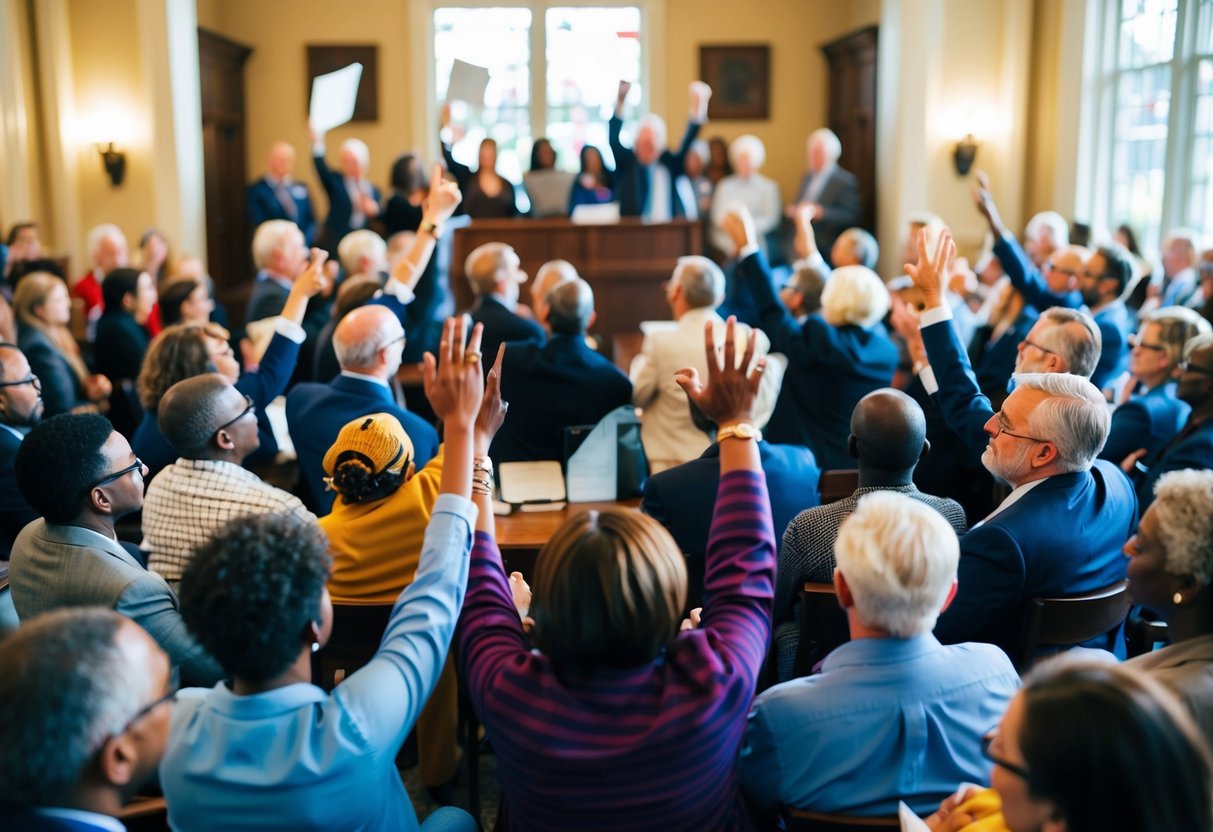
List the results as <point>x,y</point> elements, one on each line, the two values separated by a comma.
<point>837,483</point>
<point>145,814</point>
<point>799,820</point>
<point>1141,634</point>
<point>823,626</point>
<point>1064,622</point>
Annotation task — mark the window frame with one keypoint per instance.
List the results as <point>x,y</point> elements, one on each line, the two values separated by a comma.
<point>425,107</point>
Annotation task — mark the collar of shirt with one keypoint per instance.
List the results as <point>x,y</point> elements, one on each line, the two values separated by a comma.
<point>265,704</point>
<point>14,431</point>
<point>266,274</point>
<point>695,318</point>
<point>364,377</point>
<point>285,181</point>
<point>1012,498</point>
<point>868,651</point>
<point>218,466</point>
<point>81,816</point>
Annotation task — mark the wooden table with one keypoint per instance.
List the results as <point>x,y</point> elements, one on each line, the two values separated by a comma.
<point>522,534</point>
<point>625,263</point>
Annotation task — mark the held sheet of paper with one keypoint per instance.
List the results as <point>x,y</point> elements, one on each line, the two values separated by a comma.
<point>333,96</point>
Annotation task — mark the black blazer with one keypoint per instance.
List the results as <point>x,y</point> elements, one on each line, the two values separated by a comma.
<point>15,511</point>
<point>501,325</point>
<point>120,345</point>
<point>841,207</point>
<point>337,221</point>
<point>262,205</point>
<point>62,389</point>
<point>631,184</point>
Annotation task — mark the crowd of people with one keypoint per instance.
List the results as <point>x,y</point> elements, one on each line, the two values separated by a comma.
<point>1036,425</point>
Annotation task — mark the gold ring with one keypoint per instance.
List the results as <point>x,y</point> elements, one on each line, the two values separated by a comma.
<point>471,357</point>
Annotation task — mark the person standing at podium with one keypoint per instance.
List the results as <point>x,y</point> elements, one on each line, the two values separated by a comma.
<point>650,180</point>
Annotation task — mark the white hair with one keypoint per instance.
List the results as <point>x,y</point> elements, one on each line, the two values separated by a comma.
<point>1183,505</point>
<point>748,145</point>
<point>1052,222</point>
<point>701,149</point>
<point>833,147</point>
<point>899,558</point>
<point>863,244</point>
<point>701,281</point>
<point>361,152</point>
<point>551,274</point>
<point>1080,354</point>
<point>359,245</point>
<point>854,295</point>
<point>656,123</point>
<point>483,266</point>
<point>1074,416</point>
<point>101,233</point>
<point>269,238</point>
<point>353,354</point>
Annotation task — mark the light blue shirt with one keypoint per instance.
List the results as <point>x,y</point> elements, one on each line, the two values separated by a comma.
<point>887,719</point>
<point>296,758</point>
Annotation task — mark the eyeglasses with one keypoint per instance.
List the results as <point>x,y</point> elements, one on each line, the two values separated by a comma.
<point>137,465</point>
<point>1001,429</point>
<point>1017,770</point>
<point>30,379</point>
<point>1136,341</point>
<point>251,408</point>
<point>1028,342</point>
<point>1186,366</point>
<point>174,685</point>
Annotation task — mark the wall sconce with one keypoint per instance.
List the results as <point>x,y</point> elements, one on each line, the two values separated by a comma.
<point>964,154</point>
<point>114,162</point>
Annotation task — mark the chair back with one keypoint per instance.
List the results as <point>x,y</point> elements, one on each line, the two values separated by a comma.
<point>1141,634</point>
<point>799,820</point>
<point>1064,622</point>
<point>357,631</point>
<point>145,814</point>
<point>823,627</point>
<point>837,483</point>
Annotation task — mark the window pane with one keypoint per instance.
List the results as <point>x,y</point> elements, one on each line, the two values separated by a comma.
<point>589,50</point>
<point>1204,28</point>
<point>1147,32</point>
<point>1200,195</point>
<point>1139,151</point>
<point>499,39</point>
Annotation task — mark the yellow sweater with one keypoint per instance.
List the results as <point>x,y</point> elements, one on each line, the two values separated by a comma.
<point>376,546</point>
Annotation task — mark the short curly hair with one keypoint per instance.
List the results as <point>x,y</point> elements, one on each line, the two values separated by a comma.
<point>59,460</point>
<point>177,353</point>
<point>249,592</point>
<point>1184,506</point>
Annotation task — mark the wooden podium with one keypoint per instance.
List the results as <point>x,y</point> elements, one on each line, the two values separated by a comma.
<point>625,263</point>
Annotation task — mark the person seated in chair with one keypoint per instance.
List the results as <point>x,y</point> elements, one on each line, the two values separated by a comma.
<point>84,717</point>
<point>494,272</point>
<point>893,715</point>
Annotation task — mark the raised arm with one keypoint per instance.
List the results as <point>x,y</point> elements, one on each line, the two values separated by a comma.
<point>740,560</point>
<point>440,203</point>
<point>460,171</point>
<point>623,155</point>
<point>389,692</point>
<point>700,93</point>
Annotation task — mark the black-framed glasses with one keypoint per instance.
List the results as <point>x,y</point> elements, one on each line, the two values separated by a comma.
<point>1186,366</point>
<point>30,379</point>
<point>1014,768</point>
<point>251,408</point>
<point>174,686</point>
<point>1136,341</point>
<point>137,465</point>
<point>1001,429</point>
<point>1030,343</point>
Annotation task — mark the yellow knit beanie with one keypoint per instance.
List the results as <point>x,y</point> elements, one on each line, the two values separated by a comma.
<point>377,441</point>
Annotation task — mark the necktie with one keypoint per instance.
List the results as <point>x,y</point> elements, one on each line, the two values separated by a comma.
<point>288,203</point>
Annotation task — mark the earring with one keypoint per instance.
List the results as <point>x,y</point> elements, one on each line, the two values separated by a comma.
<point>316,645</point>
<point>1177,598</point>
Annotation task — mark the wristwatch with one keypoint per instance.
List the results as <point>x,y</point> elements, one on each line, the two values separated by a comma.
<point>740,430</point>
<point>430,228</point>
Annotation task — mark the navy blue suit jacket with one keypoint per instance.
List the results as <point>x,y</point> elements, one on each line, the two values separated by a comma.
<point>502,325</point>
<point>964,408</point>
<point>631,183</point>
<point>1192,447</point>
<point>841,208</point>
<point>263,205</point>
<point>1064,537</point>
<point>994,364</point>
<point>337,221</point>
<point>1027,278</point>
<point>1115,324</point>
<point>18,817</point>
<point>549,388</point>
<point>683,498</point>
<point>316,413</point>
<point>1148,421</point>
<point>15,511</point>
<point>829,370</point>
<point>61,387</point>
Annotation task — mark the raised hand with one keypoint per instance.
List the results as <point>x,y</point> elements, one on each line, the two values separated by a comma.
<point>454,382</point>
<point>314,278</point>
<point>985,203</point>
<point>739,225</point>
<point>729,394</point>
<point>492,409</point>
<point>700,93</point>
<point>932,267</point>
<point>442,199</point>
<point>905,322</point>
<point>624,88</point>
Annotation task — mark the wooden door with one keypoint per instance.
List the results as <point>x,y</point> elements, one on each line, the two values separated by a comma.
<point>227,239</point>
<point>852,63</point>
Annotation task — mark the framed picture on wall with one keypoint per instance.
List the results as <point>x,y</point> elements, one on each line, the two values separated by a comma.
<point>740,78</point>
<point>328,58</point>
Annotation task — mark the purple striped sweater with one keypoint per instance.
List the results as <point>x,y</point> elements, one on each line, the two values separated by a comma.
<point>654,747</point>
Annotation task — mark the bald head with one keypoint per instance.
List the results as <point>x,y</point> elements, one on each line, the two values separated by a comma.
<point>888,431</point>
<point>191,411</point>
<point>362,338</point>
<point>570,307</point>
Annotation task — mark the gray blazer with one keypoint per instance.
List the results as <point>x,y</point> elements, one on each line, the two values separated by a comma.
<point>55,566</point>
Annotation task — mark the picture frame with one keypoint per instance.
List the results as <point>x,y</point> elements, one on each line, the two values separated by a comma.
<point>740,78</point>
<point>329,57</point>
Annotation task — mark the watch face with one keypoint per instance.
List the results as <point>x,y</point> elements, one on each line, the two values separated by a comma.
<point>745,431</point>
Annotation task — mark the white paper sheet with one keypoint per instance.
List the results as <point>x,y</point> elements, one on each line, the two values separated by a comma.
<point>468,83</point>
<point>910,822</point>
<point>531,482</point>
<point>333,96</point>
